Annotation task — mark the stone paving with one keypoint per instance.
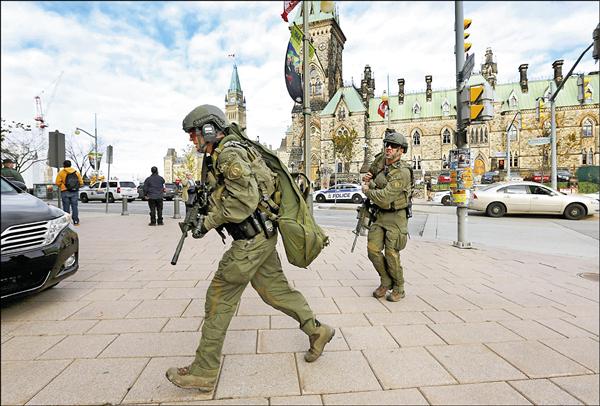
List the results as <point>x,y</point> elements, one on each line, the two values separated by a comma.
<point>477,326</point>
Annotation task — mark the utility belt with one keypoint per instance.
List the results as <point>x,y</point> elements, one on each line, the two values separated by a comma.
<point>256,223</point>
<point>408,210</point>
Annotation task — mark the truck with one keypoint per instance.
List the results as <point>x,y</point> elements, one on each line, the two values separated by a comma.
<point>117,190</point>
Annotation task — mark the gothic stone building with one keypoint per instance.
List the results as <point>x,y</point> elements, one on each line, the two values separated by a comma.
<point>235,110</point>
<point>428,118</point>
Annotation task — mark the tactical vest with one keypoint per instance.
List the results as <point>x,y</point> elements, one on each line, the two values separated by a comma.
<point>380,178</point>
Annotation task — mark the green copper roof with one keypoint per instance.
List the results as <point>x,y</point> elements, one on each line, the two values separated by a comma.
<point>351,98</point>
<point>537,88</point>
<point>235,81</point>
<point>314,14</point>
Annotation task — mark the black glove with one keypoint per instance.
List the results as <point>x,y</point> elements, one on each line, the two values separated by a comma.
<point>199,232</point>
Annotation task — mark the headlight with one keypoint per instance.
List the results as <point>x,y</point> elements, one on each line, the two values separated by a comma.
<point>56,226</point>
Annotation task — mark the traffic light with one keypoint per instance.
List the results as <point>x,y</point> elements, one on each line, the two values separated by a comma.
<point>467,24</point>
<point>56,149</point>
<point>476,103</point>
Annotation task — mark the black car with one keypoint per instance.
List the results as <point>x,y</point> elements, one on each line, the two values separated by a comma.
<point>489,177</point>
<point>39,246</point>
<point>563,175</point>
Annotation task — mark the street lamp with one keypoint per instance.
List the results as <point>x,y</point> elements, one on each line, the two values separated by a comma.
<point>95,137</point>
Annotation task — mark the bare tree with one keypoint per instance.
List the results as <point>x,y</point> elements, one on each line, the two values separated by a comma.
<point>21,145</point>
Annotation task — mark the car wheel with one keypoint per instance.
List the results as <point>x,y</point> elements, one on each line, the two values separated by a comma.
<point>111,198</point>
<point>84,198</point>
<point>356,198</point>
<point>574,211</point>
<point>446,201</point>
<point>320,198</point>
<point>496,209</point>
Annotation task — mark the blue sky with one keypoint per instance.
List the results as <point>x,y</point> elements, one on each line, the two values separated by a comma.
<point>142,66</point>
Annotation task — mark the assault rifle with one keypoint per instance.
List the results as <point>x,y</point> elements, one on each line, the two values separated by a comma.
<point>365,218</point>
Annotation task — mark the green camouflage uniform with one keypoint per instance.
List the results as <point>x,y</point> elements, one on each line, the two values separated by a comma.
<point>235,197</point>
<point>389,190</point>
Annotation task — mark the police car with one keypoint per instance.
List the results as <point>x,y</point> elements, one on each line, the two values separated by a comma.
<point>342,192</point>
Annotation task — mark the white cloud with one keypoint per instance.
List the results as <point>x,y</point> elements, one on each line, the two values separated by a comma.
<point>116,65</point>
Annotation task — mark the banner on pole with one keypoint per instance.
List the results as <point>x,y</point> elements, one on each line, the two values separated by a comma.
<point>293,66</point>
<point>288,6</point>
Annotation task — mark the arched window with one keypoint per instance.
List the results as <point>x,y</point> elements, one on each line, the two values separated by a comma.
<point>339,167</point>
<point>514,159</point>
<point>485,135</point>
<point>416,109</point>
<point>472,137</point>
<point>446,136</point>
<point>587,129</point>
<point>318,87</point>
<point>343,131</point>
<point>341,113</point>
<point>513,101</point>
<point>419,162</point>
<point>512,133</point>
<point>479,136</point>
<point>414,162</point>
<point>446,108</point>
<point>416,138</point>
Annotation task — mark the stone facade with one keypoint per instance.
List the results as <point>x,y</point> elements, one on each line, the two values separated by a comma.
<point>428,119</point>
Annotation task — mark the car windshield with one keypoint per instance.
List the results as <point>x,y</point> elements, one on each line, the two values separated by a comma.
<point>7,187</point>
<point>127,184</point>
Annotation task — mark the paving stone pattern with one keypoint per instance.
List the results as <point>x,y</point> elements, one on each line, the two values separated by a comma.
<point>479,326</point>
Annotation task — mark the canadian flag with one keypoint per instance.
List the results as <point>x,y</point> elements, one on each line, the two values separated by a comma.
<point>383,108</point>
<point>288,5</point>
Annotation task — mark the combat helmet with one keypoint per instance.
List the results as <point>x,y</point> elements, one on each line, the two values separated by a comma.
<point>395,138</point>
<point>205,114</point>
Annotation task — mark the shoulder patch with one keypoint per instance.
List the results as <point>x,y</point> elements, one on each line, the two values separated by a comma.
<point>396,184</point>
<point>234,171</point>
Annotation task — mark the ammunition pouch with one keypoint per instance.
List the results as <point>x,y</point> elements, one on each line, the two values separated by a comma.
<point>255,224</point>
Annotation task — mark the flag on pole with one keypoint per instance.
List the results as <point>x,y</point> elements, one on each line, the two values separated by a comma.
<point>288,6</point>
<point>383,108</point>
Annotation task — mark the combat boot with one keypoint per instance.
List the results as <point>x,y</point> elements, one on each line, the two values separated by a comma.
<point>184,379</point>
<point>318,340</point>
<point>395,295</point>
<point>380,292</point>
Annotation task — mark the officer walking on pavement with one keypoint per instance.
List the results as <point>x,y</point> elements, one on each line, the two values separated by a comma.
<point>154,187</point>
<point>388,185</point>
<point>237,182</point>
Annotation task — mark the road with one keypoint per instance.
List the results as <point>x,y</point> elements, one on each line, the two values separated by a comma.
<point>531,233</point>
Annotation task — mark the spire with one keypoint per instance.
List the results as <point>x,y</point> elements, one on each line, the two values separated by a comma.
<point>234,86</point>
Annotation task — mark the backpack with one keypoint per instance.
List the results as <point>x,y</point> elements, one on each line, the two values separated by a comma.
<point>302,237</point>
<point>72,182</point>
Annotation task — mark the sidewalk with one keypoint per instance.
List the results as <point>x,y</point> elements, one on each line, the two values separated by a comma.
<point>477,326</point>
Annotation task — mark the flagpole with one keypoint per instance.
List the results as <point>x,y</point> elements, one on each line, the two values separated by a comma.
<point>389,104</point>
<point>306,103</point>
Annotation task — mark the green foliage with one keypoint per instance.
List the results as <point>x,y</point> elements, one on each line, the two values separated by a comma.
<point>343,145</point>
<point>588,187</point>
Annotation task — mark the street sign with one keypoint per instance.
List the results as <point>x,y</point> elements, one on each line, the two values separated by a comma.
<point>56,149</point>
<point>539,141</point>
<point>468,67</point>
<point>109,154</point>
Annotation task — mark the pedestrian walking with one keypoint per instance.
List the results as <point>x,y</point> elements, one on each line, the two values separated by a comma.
<point>428,186</point>
<point>69,181</point>
<point>154,188</point>
<point>388,185</point>
<point>9,171</point>
<point>252,257</point>
<point>189,188</point>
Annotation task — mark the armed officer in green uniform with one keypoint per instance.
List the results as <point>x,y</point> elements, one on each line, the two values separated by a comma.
<point>388,185</point>
<point>241,182</point>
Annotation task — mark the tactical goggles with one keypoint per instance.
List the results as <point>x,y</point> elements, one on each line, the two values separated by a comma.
<point>391,145</point>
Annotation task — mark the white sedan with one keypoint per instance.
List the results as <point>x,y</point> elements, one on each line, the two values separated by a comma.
<point>350,192</point>
<point>530,197</point>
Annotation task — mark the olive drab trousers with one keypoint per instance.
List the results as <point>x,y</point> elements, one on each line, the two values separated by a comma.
<point>387,237</point>
<point>255,261</point>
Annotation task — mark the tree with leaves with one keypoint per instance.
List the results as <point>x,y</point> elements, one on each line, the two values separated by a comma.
<point>21,145</point>
<point>343,145</point>
<point>190,164</point>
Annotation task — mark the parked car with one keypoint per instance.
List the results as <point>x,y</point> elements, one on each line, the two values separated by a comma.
<point>563,175</point>
<point>140,190</point>
<point>444,198</point>
<point>531,197</point>
<point>169,191</point>
<point>444,177</point>
<point>537,177</point>
<point>343,192</point>
<point>490,177</point>
<point>39,246</point>
<point>117,190</point>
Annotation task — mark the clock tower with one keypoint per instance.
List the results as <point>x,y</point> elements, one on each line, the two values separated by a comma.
<point>235,102</point>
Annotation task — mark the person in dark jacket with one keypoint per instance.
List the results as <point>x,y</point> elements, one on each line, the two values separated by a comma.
<point>154,187</point>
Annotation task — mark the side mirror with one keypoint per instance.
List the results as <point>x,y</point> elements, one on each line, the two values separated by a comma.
<point>19,185</point>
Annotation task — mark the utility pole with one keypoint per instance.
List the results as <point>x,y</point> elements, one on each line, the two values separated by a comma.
<point>306,102</point>
<point>596,36</point>
<point>461,132</point>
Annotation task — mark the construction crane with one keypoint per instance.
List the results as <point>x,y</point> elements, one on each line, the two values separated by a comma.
<point>39,111</point>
